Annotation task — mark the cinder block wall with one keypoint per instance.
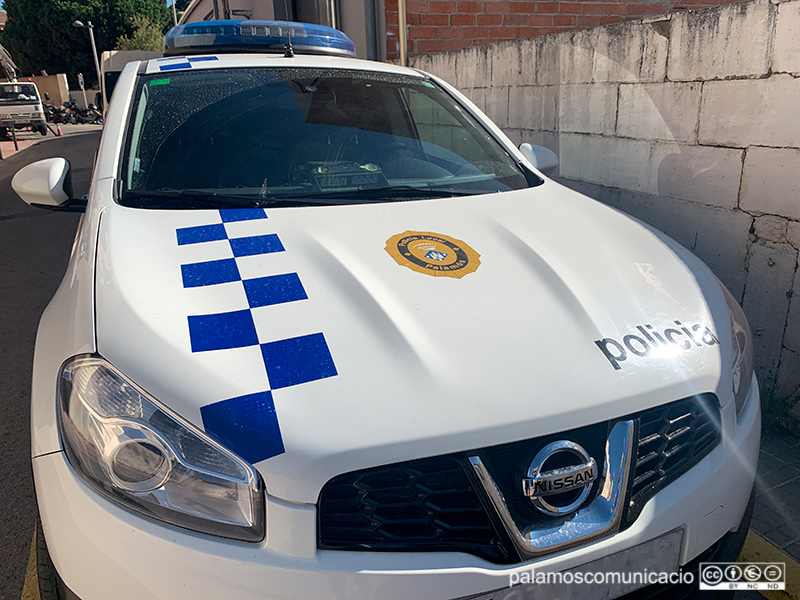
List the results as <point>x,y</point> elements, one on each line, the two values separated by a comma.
<point>690,122</point>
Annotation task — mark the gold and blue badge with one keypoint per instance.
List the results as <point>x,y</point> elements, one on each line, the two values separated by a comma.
<point>433,254</point>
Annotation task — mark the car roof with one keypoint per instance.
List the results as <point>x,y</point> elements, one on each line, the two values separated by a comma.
<point>222,61</point>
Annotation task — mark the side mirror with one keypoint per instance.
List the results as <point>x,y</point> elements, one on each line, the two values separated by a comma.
<point>47,184</point>
<point>544,159</point>
<point>47,96</point>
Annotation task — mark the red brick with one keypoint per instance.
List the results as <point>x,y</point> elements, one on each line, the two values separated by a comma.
<point>434,20</point>
<point>422,33</point>
<point>522,7</point>
<point>564,20</point>
<point>570,8</point>
<point>603,9</point>
<point>497,7</point>
<point>501,33</point>
<point>467,6</point>
<point>515,20</point>
<point>457,44</point>
<point>462,20</point>
<point>609,20</point>
<point>547,7</point>
<point>448,33</point>
<point>549,30</point>
<point>420,6</point>
<point>641,9</point>
<point>443,7</point>
<point>588,21</point>
<point>540,20</point>
<point>476,32</point>
<point>489,19</point>
<point>526,32</point>
<point>430,46</point>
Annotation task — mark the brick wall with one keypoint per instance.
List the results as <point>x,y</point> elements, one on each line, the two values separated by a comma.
<point>439,25</point>
<point>688,122</point>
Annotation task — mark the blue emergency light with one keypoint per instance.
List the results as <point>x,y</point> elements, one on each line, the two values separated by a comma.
<point>217,37</point>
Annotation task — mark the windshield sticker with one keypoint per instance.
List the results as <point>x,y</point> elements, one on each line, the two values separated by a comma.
<point>159,82</point>
<point>248,424</point>
<point>433,254</point>
<point>648,340</point>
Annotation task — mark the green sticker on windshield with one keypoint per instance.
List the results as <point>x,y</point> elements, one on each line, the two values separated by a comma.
<point>428,84</point>
<point>159,82</point>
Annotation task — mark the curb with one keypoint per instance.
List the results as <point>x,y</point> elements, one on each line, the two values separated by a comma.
<point>759,549</point>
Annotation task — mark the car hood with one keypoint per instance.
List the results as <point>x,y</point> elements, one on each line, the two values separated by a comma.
<point>320,340</point>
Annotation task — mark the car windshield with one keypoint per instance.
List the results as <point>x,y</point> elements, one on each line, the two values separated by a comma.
<point>18,93</point>
<point>300,136</point>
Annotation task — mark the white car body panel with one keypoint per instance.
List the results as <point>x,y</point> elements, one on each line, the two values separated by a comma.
<point>424,366</point>
<point>543,289</point>
<point>289,565</point>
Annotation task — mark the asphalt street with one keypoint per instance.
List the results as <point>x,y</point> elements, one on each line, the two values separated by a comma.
<point>34,248</point>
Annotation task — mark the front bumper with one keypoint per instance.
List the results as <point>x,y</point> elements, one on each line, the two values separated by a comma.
<point>100,550</point>
<point>23,122</point>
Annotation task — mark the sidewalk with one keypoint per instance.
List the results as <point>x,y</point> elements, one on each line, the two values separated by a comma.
<point>28,138</point>
<point>777,511</point>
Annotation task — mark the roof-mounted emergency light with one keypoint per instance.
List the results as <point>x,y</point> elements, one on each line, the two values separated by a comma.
<point>256,36</point>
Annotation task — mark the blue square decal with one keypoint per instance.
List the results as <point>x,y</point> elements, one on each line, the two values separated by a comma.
<point>175,66</point>
<point>231,215</point>
<point>297,360</point>
<point>259,244</point>
<point>210,273</point>
<point>276,289</point>
<point>222,331</point>
<point>248,425</point>
<point>203,233</point>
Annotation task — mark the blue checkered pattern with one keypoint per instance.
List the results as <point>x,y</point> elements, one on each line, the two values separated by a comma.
<point>249,424</point>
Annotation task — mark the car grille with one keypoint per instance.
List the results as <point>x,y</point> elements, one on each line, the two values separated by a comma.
<point>436,504</point>
<point>428,504</point>
<point>672,439</point>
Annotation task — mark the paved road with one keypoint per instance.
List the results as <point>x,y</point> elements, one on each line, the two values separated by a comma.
<point>34,247</point>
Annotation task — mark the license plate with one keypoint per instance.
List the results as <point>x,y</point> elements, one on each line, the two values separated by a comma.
<point>350,180</point>
<point>660,555</point>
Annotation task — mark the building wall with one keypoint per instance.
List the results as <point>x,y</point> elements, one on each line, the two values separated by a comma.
<point>439,25</point>
<point>688,122</point>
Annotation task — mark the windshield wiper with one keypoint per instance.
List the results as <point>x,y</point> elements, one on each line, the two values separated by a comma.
<point>366,194</point>
<point>215,199</point>
<point>390,192</point>
<point>199,196</point>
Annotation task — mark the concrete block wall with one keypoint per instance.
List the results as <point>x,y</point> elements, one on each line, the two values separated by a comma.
<point>687,121</point>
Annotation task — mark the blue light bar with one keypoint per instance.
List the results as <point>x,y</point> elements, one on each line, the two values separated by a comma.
<point>218,37</point>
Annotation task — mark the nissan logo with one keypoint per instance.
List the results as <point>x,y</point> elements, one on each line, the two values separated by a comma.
<point>560,478</point>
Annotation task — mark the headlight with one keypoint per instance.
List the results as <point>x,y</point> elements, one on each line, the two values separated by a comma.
<point>146,457</point>
<point>742,339</point>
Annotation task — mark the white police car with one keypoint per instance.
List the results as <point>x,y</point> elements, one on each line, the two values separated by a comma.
<point>326,333</point>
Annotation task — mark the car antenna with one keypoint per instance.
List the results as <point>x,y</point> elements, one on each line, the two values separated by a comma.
<point>289,51</point>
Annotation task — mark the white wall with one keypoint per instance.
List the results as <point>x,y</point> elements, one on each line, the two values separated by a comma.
<point>690,122</point>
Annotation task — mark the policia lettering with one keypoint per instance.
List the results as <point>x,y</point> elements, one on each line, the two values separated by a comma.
<point>683,336</point>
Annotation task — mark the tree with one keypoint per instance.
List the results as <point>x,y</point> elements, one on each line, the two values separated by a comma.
<point>146,36</point>
<point>40,36</point>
